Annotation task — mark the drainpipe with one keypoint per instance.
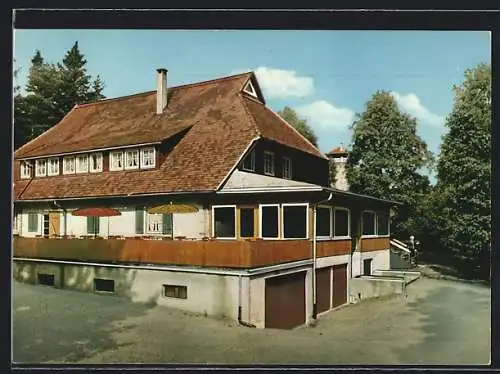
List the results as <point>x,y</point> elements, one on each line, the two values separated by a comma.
<point>315,313</point>
<point>240,321</point>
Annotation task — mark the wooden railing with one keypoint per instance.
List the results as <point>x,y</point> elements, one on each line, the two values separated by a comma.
<point>216,253</point>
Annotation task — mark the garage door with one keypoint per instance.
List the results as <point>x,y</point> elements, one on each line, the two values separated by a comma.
<point>323,295</point>
<point>285,301</point>
<point>339,294</point>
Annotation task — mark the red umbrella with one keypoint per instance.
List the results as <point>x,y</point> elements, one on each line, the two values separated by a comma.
<point>97,212</point>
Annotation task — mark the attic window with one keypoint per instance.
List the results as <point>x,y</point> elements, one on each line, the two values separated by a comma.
<point>26,169</point>
<point>148,157</point>
<point>95,162</point>
<point>41,168</point>
<point>69,165</point>
<point>249,89</point>
<point>53,166</point>
<point>249,162</point>
<point>82,164</point>
<point>132,159</point>
<point>116,161</point>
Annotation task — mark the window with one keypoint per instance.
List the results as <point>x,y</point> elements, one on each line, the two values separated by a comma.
<point>269,221</point>
<point>132,159</point>
<point>139,221</point>
<point>69,165</point>
<point>148,158</point>
<point>382,223</point>
<point>268,163</point>
<point>41,168</point>
<point>95,162</point>
<point>224,222</point>
<point>53,166</point>
<point>93,224</point>
<point>26,169</point>
<point>368,223</point>
<point>82,164</point>
<point>341,222</point>
<point>246,222</point>
<point>46,279</point>
<point>116,162</point>
<point>287,168</point>
<point>32,222</point>
<point>295,222</point>
<point>323,222</point>
<point>104,285</point>
<point>154,223</point>
<point>178,292</point>
<point>249,162</point>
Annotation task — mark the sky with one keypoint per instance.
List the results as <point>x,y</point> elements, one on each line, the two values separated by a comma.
<point>327,76</point>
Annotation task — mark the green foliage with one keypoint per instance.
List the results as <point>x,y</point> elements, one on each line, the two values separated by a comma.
<point>385,160</point>
<point>333,172</point>
<point>51,91</point>
<point>301,125</point>
<point>464,168</point>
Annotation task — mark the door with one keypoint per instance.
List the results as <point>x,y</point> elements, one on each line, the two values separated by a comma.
<point>54,223</point>
<point>339,285</point>
<point>285,298</point>
<point>367,267</point>
<point>323,288</point>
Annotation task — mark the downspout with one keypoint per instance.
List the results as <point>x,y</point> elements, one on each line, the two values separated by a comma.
<point>240,321</point>
<point>314,314</point>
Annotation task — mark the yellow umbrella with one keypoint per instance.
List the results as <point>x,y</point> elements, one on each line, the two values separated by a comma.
<point>173,208</point>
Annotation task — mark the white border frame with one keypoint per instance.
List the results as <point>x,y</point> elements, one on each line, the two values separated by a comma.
<point>282,223</point>
<point>213,222</point>
<point>98,170</point>
<point>141,158</point>
<point>260,222</point>
<point>348,222</point>
<point>125,159</point>
<point>274,163</point>
<point>252,155</point>
<point>283,168</point>
<point>374,224</point>
<point>110,160</point>
<point>65,160</point>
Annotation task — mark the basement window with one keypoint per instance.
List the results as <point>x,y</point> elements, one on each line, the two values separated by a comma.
<point>341,222</point>
<point>295,222</point>
<point>368,223</point>
<point>177,292</point>
<point>382,223</point>
<point>246,222</point>
<point>269,221</point>
<point>323,222</point>
<point>224,221</point>
<point>104,285</point>
<point>46,279</point>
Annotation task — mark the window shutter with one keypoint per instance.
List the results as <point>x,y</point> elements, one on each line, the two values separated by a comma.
<point>93,225</point>
<point>139,221</point>
<point>167,224</point>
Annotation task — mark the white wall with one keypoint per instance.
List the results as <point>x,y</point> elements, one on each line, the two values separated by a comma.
<point>190,225</point>
<point>380,259</point>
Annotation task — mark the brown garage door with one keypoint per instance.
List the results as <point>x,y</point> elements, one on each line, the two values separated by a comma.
<point>339,296</point>
<point>285,301</point>
<point>323,296</point>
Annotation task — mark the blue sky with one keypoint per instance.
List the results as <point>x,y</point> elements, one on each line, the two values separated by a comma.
<point>327,76</point>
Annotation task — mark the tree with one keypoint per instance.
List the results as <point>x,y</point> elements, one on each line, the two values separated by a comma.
<point>301,125</point>
<point>464,168</point>
<point>51,91</point>
<point>385,160</point>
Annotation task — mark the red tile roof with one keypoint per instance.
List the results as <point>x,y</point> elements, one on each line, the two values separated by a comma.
<point>220,123</point>
<point>338,151</point>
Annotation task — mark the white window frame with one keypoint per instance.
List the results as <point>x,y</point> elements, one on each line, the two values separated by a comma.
<point>65,162</point>
<point>375,224</point>
<point>235,220</point>
<point>142,163</point>
<point>249,89</point>
<point>146,223</point>
<point>388,225</point>
<point>348,223</point>
<point>330,211</point>
<point>26,166</point>
<point>99,162</point>
<point>49,171</point>
<point>260,222</point>
<point>252,161</point>
<point>289,167</point>
<point>126,159</point>
<point>273,163</point>
<point>78,169</point>
<point>282,219</point>
<point>37,163</point>
<point>111,160</point>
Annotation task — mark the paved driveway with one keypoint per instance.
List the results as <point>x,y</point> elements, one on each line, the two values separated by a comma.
<point>439,322</point>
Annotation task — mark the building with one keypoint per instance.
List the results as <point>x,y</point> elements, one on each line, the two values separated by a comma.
<point>338,156</point>
<point>265,240</point>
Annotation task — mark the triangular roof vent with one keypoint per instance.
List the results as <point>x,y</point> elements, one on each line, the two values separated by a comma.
<point>249,89</point>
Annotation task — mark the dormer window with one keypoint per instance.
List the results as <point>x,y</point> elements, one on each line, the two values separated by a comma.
<point>82,164</point>
<point>249,89</point>
<point>96,162</point>
<point>69,165</point>
<point>249,162</point>
<point>132,159</point>
<point>53,164</point>
<point>148,158</point>
<point>287,168</point>
<point>26,169</point>
<point>41,168</point>
<point>268,163</point>
<point>116,161</point>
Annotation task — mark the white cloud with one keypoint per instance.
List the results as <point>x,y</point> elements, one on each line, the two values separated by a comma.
<point>281,84</point>
<point>410,103</point>
<point>322,114</point>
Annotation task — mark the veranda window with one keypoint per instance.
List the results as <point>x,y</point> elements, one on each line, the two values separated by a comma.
<point>295,222</point>
<point>341,222</point>
<point>224,221</point>
<point>323,221</point>
<point>368,223</point>
<point>382,223</point>
<point>269,221</point>
<point>246,222</point>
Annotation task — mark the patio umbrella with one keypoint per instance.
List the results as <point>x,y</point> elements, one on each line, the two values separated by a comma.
<point>172,208</point>
<point>97,212</point>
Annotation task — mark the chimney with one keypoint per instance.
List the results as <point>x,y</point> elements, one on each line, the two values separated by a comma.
<point>161,90</point>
